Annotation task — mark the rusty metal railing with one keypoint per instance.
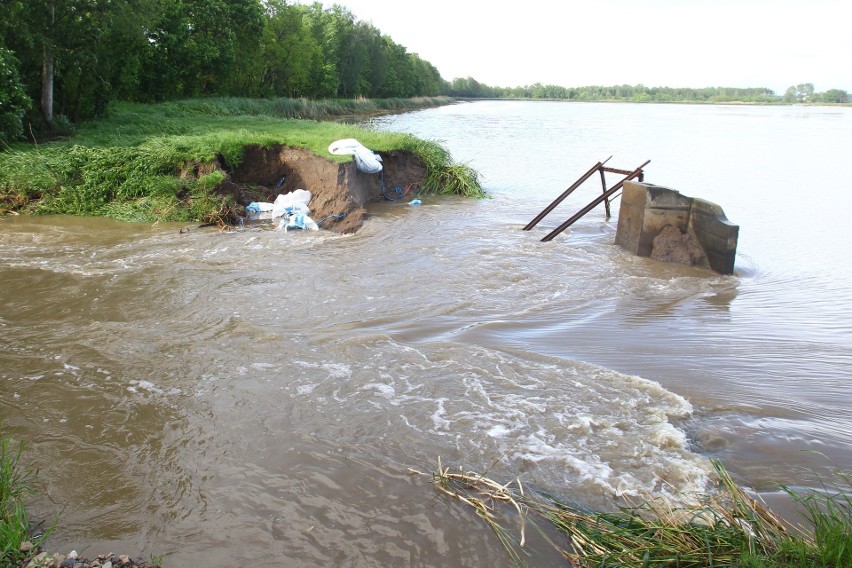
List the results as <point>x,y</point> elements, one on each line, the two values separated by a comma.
<point>605,196</point>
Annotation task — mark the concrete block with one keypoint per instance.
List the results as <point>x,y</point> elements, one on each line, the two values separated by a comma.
<point>646,209</point>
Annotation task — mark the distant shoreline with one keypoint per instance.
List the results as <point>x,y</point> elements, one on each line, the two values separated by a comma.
<point>685,102</point>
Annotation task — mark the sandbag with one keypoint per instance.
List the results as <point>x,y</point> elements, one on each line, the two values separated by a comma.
<point>291,203</point>
<point>365,160</point>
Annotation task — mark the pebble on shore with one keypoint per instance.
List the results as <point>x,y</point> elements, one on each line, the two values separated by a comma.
<point>72,560</point>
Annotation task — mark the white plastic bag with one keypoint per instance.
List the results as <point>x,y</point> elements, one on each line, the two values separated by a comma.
<point>292,203</point>
<point>298,221</point>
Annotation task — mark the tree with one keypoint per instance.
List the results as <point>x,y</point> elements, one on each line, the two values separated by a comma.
<point>75,55</point>
<point>291,60</point>
<point>801,93</point>
<point>196,47</point>
<point>835,96</point>
<point>14,101</point>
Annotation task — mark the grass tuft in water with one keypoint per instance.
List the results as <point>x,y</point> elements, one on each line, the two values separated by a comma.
<point>725,528</point>
<point>16,483</point>
<point>828,510</point>
<point>443,175</point>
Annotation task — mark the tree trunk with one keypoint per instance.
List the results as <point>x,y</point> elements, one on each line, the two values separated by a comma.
<point>47,75</point>
<point>47,87</point>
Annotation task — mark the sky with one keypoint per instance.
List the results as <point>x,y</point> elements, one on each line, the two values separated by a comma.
<point>670,43</point>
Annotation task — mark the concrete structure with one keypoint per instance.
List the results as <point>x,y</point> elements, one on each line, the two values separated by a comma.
<point>709,239</point>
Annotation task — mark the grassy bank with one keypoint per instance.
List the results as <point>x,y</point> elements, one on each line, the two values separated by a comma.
<point>142,162</point>
<point>726,527</point>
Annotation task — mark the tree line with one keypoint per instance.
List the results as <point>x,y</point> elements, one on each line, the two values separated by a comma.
<point>65,60</point>
<point>802,93</point>
<point>62,61</point>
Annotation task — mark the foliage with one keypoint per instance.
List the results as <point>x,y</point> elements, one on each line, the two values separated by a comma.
<point>197,47</point>
<point>725,528</point>
<point>800,93</point>
<point>469,87</point>
<point>834,96</point>
<point>129,166</point>
<point>16,482</point>
<point>13,98</point>
<point>161,50</point>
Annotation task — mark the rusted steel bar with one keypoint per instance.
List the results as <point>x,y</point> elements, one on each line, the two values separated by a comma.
<point>617,171</point>
<point>603,190</point>
<point>565,194</point>
<point>594,203</point>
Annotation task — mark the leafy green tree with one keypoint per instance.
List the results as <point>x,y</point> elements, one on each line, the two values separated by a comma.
<point>319,23</point>
<point>466,87</point>
<point>349,49</point>
<point>378,57</point>
<point>14,101</point>
<point>835,96</point>
<point>75,55</point>
<point>247,20</point>
<point>790,95</point>
<point>291,59</point>
<point>431,84</point>
<point>801,93</point>
<point>196,46</point>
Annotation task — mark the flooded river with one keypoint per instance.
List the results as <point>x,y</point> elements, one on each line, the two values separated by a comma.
<point>260,397</point>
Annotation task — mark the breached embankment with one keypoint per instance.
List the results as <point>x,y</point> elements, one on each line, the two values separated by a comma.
<point>335,188</point>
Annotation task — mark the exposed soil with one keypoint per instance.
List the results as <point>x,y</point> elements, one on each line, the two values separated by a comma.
<point>673,246</point>
<point>335,188</point>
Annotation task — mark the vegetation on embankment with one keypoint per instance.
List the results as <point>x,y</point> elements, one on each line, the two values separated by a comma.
<point>165,162</point>
<point>726,527</point>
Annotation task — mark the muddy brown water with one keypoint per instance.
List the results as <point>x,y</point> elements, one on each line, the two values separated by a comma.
<point>260,396</point>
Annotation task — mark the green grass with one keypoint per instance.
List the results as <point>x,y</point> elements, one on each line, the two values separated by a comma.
<point>725,528</point>
<point>128,166</point>
<point>828,510</point>
<point>16,483</point>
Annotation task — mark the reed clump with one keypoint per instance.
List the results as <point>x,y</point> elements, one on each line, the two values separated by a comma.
<point>443,175</point>
<point>725,528</point>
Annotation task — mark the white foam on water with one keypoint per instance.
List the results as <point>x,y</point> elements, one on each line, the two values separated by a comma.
<point>580,428</point>
<point>306,389</point>
<point>137,386</point>
<point>383,390</point>
<point>337,370</point>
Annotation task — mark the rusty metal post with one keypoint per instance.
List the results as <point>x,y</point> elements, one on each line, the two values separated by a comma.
<point>565,194</point>
<point>603,190</point>
<point>635,173</point>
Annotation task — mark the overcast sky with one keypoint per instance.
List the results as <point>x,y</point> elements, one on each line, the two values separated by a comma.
<point>672,43</point>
